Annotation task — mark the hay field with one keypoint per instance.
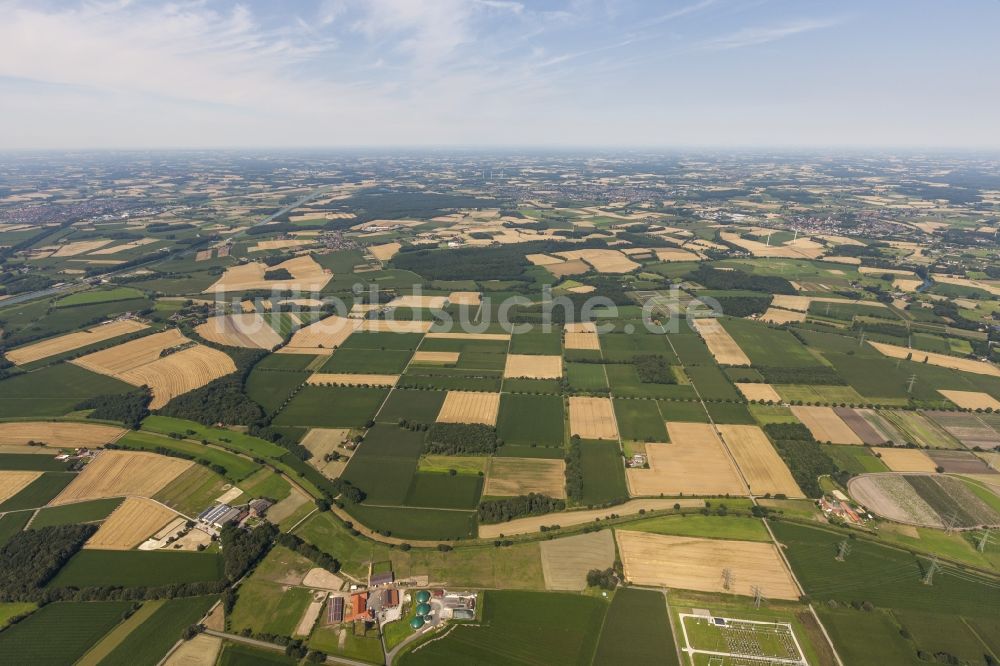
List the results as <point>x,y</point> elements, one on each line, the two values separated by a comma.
<point>942,360</point>
<point>71,341</point>
<point>322,336</point>
<point>307,275</point>
<point>396,326</point>
<point>905,460</point>
<point>760,464</point>
<point>265,245</point>
<point>669,254</point>
<point>825,425</point>
<point>969,399</point>
<point>129,355</point>
<point>13,482</point>
<point>720,343</point>
<point>520,476</point>
<point>385,251</point>
<point>694,463</point>
<point>346,379</point>
<point>470,407</point>
<point>777,316</point>
<point>569,518</point>
<point>465,298</point>
<point>582,341</point>
<point>696,564</point>
<point>410,301</point>
<point>565,562</point>
<point>565,268</point>
<point>533,367</point>
<point>58,433</point>
<point>321,441</point>
<point>543,259</point>
<point>79,247</point>
<point>180,372</point>
<point>435,357</point>
<point>468,336</point>
<point>592,418</point>
<point>130,524</point>
<point>603,261</point>
<point>122,474</point>
<point>787,302</point>
<point>202,650</point>
<point>248,330</point>
<point>288,506</point>
<point>803,248</point>
<point>763,392</point>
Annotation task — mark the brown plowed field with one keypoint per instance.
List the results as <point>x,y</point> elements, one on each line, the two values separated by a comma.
<point>71,341</point>
<point>122,474</point>
<point>861,428</point>
<point>960,462</point>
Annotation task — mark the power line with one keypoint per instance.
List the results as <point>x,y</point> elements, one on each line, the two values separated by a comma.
<point>757,597</point>
<point>983,541</point>
<point>929,576</point>
<point>843,550</point>
<point>728,579</point>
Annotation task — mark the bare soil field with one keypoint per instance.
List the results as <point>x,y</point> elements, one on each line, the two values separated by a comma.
<point>59,433</point>
<point>202,650</point>
<point>825,425</point>
<point>569,518</point>
<point>694,463</point>
<point>890,496</point>
<point>322,579</point>
<point>603,261</point>
<point>307,275</point>
<point>778,316</point>
<point>470,407</point>
<point>760,464</point>
<point>287,506</point>
<point>565,562</point>
<point>385,251</point>
<point>592,418</point>
<point>71,341</point>
<point>348,379</point>
<point>130,524</point>
<point>720,343</point>
<point>444,358</point>
<point>409,301</point>
<point>310,615</point>
<point>321,441</point>
<point>533,367</point>
<point>972,430</point>
<point>13,482</point>
<point>941,360</point>
<point>240,330</point>
<point>520,476</point>
<point>696,564</point>
<point>321,337</point>
<point>859,425</point>
<point>465,298</point>
<point>905,460</point>
<point>965,399</point>
<point>762,392</point>
<point>960,462</point>
<point>122,474</point>
<point>468,336</point>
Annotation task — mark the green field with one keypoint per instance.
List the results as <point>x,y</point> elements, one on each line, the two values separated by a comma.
<point>33,462</point>
<point>81,512</point>
<point>192,491</point>
<point>636,630</point>
<point>367,648</point>
<point>11,524</point>
<point>98,296</point>
<point>136,568</point>
<point>237,468</point>
<point>768,346</point>
<point>54,390</point>
<point>397,341</point>
<point>39,492</point>
<point>12,609</point>
<point>445,491</point>
<point>536,342</point>
<point>819,394</point>
<point>867,637</point>
<point>229,439</point>
<point>639,420</point>
<point>730,413</point>
<point>270,388</point>
<point>267,607</point>
<point>149,642</point>
<point>739,528</point>
<point>414,523</point>
<point>237,654</point>
<point>686,411</point>
<point>59,633</point>
<point>586,376</point>
<point>712,383</point>
<point>550,386</point>
<point>384,464</point>
<point>285,362</point>
<point>603,472</point>
<point>519,628</point>
<point>854,459</point>
<point>527,420</point>
<point>940,633</point>
<point>415,406</point>
<point>373,361</point>
<point>332,407</point>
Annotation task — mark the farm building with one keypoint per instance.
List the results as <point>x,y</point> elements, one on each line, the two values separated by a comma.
<point>375,580</point>
<point>359,608</point>
<point>259,507</point>
<point>221,515</point>
<point>335,611</point>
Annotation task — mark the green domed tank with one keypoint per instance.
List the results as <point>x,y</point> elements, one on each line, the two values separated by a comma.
<point>416,623</point>
<point>423,609</point>
<point>423,596</point>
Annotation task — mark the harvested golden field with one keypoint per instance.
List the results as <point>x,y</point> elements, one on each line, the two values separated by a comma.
<point>581,340</point>
<point>569,518</point>
<point>942,360</point>
<point>59,433</point>
<point>396,326</point>
<point>592,418</point>
<point>465,298</point>
<point>79,247</point>
<point>871,270</point>
<point>470,407</point>
<point>580,327</point>
<point>760,464</point>
<point>202,650</point>
<point>565,562</point>
<point>669,254</point>
<point>694,463</point>
<point>777,316</point>
<point>907,285</point>
<point>265,245</point>
<point>307,275</point>
<point>321,337</point>
<point>905,460</point>
<point>346,379</point>
<point>603,261</point>
<point>763,392</point>
<point>180,372</point>
<point>248,330</point>
<point>385,251</point>
<point>122,474</point>
<point>13,482</point>
<point>520,476</point>
<point>825,425</point>
<point>720,343</point>
<point>543,259</point>
<point>985,285</point>
<point>445,358</point>
<point>787,302</point>
<point>468,336</point>
<point>533,367</point>
<point>71,341</point>
<point>573,267</point>
<point>696,564</point>
<point>203,255</point>
<point>130,524</point>
<point>129,355</point>
<point>803,248</point>
<point>972,399</point>
<point>410,301</point>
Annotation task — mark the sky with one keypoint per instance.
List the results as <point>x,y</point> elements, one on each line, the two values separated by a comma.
<point>572,73</point>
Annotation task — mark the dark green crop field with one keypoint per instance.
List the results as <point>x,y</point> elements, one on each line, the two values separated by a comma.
<point>332,407</point>
<point>81,512</point>
<point>603,472</point>
<point>414,523</point>
<point>636,630</point>
<point>136,568</point>
<point>414,406</point>
<point>640,420</point>
<point>531,419</point>
<point>150,641</point>
<point>39,492</point>
<point>59,633</point>
<point>54,391</point>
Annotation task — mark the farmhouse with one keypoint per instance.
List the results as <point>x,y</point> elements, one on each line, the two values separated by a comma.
<point>221,515</point>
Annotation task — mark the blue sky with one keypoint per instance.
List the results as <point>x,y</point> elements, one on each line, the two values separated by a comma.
<point>328,73</point>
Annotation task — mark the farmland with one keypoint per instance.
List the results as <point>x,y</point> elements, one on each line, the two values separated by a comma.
<point>135,568</point>
<point>78,624</point>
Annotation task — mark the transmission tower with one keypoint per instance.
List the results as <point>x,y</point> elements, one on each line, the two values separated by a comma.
<point>929,576</point>
<point>861,340</point>
<point>950,523</point>
<point>984,541</point>
<point>757,597</point>
<point>843,550</point>
<point>909,385</point>
<point>727,579</point>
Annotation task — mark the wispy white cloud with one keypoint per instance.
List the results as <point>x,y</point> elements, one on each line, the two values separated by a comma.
<point>756,35</point>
